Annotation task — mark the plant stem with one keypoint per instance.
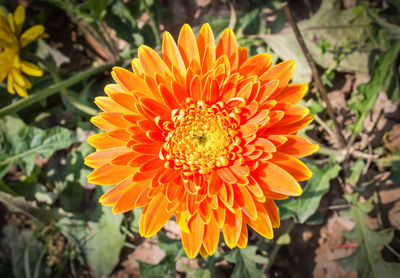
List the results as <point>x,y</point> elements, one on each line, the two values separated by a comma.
<point>340,138</point>
<point>53,72</point>
<point>277,247</point>
<point>44,93</point>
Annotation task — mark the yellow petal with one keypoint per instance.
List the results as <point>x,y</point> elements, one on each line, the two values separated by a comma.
<point>31,69</point>
<point>20,90</point>
<point>31,35</point>
<point>19,18</point>
<point>18,78</point>
<point>10,82</point>
<point>28,84</point>
<point>11,22</point>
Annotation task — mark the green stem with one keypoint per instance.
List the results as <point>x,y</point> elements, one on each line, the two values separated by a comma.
<point>44,93</point>
<point>153,24</point>
<point>53,72</point>
<point>277,247</point>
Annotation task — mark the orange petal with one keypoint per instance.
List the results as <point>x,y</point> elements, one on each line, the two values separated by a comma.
<point>254,188</point>
<point>243,55</point>
<point>293,93</point>
<point>151,61</point>
<point>248,129</point>
<point>267,90</point>
<point>262,224</point>
<point>206,39</point>
<point>226,175</point>
<point>273,212</point>
<point>227,45</point>
<point>156,107</point>
<point>125,100</point>
<point>232,227</point>
<point>147,148</point>
<point>182,220</point>
<point>137,67</point>
<point>109,174</point>
<point>155,215</point>
<point>101,123</point>
<point>256,65</point>
<point>193,241</point>
<point>108,105</point>
<point>171,54</point>
<point>115,119</point>
<point>298,146</point>
<point>291,128</point>
<point>103,141</point>
<point>128,200</point>
<point>98,158</point>
<point>297,169</point>
<point>211,236</point>
<point>111,196</point>
<point>187,45</point>
<point>274,178</point>
<point>127,80</point>
<point>244,200</point>
<point>219,215</point>
<point>152,165</point>
<point>242,241</point>
<point>283,72</point>
<point>195,88</point>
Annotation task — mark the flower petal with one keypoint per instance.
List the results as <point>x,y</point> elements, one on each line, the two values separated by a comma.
<point>155,215</point>
<point>193,241</point>
<point>187,45</point>
<point>275,179</point>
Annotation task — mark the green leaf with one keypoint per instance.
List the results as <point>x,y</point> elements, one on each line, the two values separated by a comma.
<point>30,209</point>
<point>120,17</point>
<point>307,204</point>
<point>367,259</point>
<point>247,263</point>
<point>383,78</point>
<point>26,143</point>
<point>98,235</point>
<point>355,172</point>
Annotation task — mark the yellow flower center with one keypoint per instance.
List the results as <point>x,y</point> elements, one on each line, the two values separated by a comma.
<point>202,138</point>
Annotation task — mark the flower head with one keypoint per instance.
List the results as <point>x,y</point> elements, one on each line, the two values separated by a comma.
<point>12,40</point>
<point>203,133</point>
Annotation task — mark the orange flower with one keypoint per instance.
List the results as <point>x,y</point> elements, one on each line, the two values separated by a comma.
<point>205,133</point>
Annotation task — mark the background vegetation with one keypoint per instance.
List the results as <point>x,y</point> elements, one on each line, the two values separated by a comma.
<point>346,223</point>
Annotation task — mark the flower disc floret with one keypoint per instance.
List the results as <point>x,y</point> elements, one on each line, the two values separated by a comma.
<point>202,138</point>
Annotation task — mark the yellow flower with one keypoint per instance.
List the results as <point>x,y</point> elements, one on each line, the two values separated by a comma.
<point>12,40</point>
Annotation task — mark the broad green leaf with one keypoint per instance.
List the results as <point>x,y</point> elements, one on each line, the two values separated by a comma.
<point>68,179</point>
<point>30,209</point>
<point>247,262</point>
<point>307,204</point>
<point>98,235</point>
<point>383,78</point>
<point>367,259</point>
<point>26,143</point>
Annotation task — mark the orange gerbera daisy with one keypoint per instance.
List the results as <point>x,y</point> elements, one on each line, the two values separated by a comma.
<point>204,133</point>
